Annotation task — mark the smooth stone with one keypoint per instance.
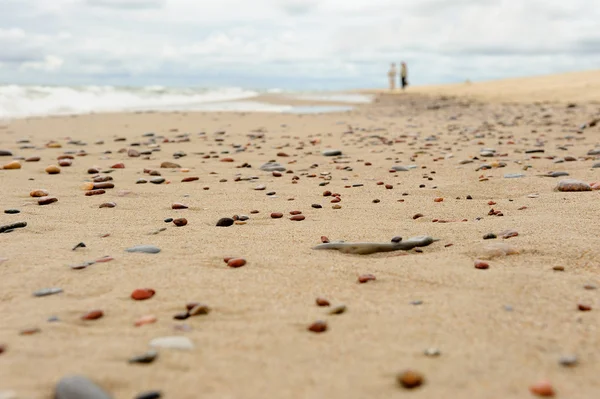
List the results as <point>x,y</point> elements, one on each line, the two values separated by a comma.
<point>157,180</point>
<point>12,211</point>
<point>147,249</point>
<point>490,236</point>
<point>5,153</point>
<point>568,361</point>
<point>595,151</point>
<point>141,181</point>
<point>332,153</point>
<point>145,358</point>
<point>10,227</point>
<point>400,168</point>
<point>568,185</point>
<point>365,248</point>
<point>174,342</point>
<point>225,222</point>
<point>487,153</point>
<point>47,291</point>
<point>79,387</point>
<point>272,167</point>
<point>170,165</point>
<point>596,165</point>
<point>555,174</point>
<point>513,175</point>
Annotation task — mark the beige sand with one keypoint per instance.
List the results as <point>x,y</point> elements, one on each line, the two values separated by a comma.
<point>255,343</point>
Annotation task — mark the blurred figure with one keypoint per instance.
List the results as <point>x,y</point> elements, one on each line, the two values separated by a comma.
<point>403,75</point>
<point>392,76</point>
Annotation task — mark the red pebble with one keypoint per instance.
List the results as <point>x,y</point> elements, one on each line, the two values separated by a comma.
<point>322,302</point>
<point>324,239</point>
<point>542,388</point>
<point>438,199</point>
<point>188,179</point>
<point>298,218</point>
<point>389,186</point>
<point>227,160</point>
<point>295,212</point>
<point>318,326</point>
<point>584,307</point>
<point>180,222</point>
<point>141,294</point>
<point>276,215</point>
<point>491,203</point>
<point>479,264</point>
<point>93,315</point>
<point>365,278</point>
<point>236,262</point>
<point>119,165</point>
<point>179,205</point>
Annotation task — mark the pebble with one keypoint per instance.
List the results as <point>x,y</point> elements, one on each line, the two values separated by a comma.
<point>322,302</point>
<point>79,387</point>
<point>141,181</point>
<point>584,307</point>
<point>332,153</point>
<point>198,309</point>
<point>141,294</point>
<point>490,236</point>
<point>318,326</point>
<point>145,358</point>
<point>339,309</point>
<point>119,165</point>
<point>10,227</point>
<point>47,200</point>
<point>418,215</point>
<point>479,264</point>
<point>39,193</point>
<point>149,395</point>
<point>496,250</point>
<point>47,291</point>
<point>93,315</point>
<point>180,222</point>
<point>148,249</point>
<point>179,205</point>
<point>174,342</point>
<point>148,319</point>
<point>5,153</point>
<point>225,222</point>
<point>432,352</point>
<point>276,215</point>
<point>189,179</point>
<point>12,165</point>
<point>170,165</point>
<point>568,361</point>
<point>596,165</point>
<point>298,218</point>
<point>52,170</point>
<point>509,233</point>
<point>236,262</point>
<point>542,388</point>
<point>108,205</point>
<point>514,175</point>
<point>94,192</point>
<point>33,159</point>
<point>272,167</point>
<point>573,185</point>
<point>400,168</point>
<point>168,220</point>
<point>396,239</point>
<point>157,180</point>
<point>410,379</point>
<point>364,278</point>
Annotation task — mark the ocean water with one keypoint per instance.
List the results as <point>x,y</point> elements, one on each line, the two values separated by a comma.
<point>22,101</point>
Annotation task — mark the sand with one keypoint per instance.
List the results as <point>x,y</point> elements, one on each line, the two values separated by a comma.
<point>498,330</point>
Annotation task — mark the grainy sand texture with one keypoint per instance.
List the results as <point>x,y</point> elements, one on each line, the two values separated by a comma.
<point>473,160</point>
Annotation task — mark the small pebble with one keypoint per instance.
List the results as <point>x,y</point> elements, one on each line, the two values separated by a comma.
<point>149,395</point>
<point>148,249</point>
<point>12,211</point>
<point>490,236</point>
<point>298,218</point>
<point>318,326</point>
<point>180,222</point>
<point>364,278</point>
<point>47,291</point>
<point>108,205</point>
<point>145,358</point>
<point>322,302</point>
<point>79,387</point>
<point>236,262</point>
<point>410,379</point>
<point>141,294</point>
<point>479,264</point>
<point>339,309</point>
<point>225,222</point>
<point>174,342</point>
<point>198,309</point>
<point>142,321</point>
<point>573,185</point>
<point>432,352</point>
<point>568,361</point>
<point>584,307</point>
<point>47,200</point>
<point>542,388</point>
<point>93,315</point>
<point>276,215</point>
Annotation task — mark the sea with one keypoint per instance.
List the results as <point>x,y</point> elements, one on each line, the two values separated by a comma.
<point>19,101</point>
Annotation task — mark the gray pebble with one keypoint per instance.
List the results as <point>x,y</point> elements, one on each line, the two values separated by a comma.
<point>513,175</point>
<point>272,167</point>
<point>47,291</point>
<point>145,358</point>
<point>596,165</point>
<point>157,180</point>
<point>432,352</point>
<point>400,168</point>
<point>148,249</point>
<point>79,387</point>
<point>568,361</point>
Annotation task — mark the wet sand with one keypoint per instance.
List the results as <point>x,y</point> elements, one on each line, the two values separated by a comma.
<point>498,330</point>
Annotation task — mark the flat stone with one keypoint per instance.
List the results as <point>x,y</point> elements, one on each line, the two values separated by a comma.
<point>595,151</point>
<point>555,174</point>
<point>12,211</point>
<point>513,175</point>
<point>400,168</point>
<point>171,165</point>
<point>174,342</point>
<point>47,291</point>
<point>79,387</point>
<point>366,248</point>
<point>573,185</point>
<point>157,180</point>
<point>145,358</point>
<point>272,167</point>
<point>332,153</point>
<point>147,249</point>
<point>5,153</point>
<point>596,165</point>
<point>568,361</point>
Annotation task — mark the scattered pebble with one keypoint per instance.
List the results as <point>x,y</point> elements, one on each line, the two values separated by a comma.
<point>79,387</point>
<point>339,309</point>
<point>322,302</point>
<point>568,361</point>
<point>93,315</point>
<point>573,185</point>
<point>174,342</point>
<point>318,326</point>
<point>542,388</point>
<point>147,249</point>
<point>225,222</point>
<point>410,379</point>
<point>180,222</point>
<point>144,358</point>
<point>47,291</point>
<point>364,278</point>
<point>236,262</point>
<point>141,294</point>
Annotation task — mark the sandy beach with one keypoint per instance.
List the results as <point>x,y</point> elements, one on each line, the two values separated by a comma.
<point>473,160</point>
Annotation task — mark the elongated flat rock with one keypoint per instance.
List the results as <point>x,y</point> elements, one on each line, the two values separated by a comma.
<point>48,291</point>
<point>272,167</point>
<point>572,185</point>
<point>79,387</point>
<point>147,249</point>
<point>175,342</point>
<point>332,153</point>
<point>366,248</point>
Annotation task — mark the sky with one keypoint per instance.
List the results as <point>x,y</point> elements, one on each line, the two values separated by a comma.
<point>291,44</point>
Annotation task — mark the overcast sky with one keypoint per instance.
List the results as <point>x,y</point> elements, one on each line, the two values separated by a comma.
<point>291,43</point>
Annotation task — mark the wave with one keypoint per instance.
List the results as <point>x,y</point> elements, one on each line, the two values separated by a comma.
<point>22,101</point>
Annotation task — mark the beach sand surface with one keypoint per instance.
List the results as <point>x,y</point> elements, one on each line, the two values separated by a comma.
<point>498,330</point>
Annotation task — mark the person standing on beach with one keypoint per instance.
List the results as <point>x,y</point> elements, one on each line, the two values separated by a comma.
<point>403,75</point>
<point>392,76</point>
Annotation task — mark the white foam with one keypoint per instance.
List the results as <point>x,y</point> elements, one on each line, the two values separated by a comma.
<point>22,101</point>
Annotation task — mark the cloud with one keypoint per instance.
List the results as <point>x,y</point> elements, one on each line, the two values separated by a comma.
<point>201,42</point>
<point>127,4</point>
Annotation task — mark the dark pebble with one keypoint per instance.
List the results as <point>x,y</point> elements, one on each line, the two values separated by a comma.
<point>80,245</point>
<point>12,211</point>
<point>168,220</point>
<point>181,316</point>
<point>145,358</point>
<point>225,222</point>
<point>318,326</point>
<point>149,395</point>
<point>10,227</point>
<point>317,206</point>
<point>469,197</point>
<point>490,236</point>
<point>180,222</point>
<point>397,239</point>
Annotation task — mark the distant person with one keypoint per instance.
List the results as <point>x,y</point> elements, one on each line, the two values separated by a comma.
<point>392,76</point>
<point>403,75</point>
